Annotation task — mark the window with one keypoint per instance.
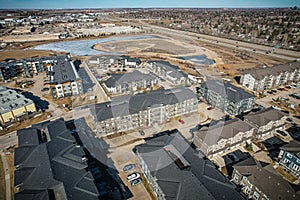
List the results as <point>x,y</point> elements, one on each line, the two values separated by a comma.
<point>288,155</point>
<point>236,178</point>
<point>256,195</point>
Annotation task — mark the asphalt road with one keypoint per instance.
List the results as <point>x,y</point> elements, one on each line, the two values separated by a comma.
<point>228,43</point>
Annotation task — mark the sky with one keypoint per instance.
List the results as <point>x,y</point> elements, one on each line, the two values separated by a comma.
<point>54,4</point>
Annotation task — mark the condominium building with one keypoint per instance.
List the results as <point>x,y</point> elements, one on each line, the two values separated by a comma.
<point>261,79</point>
<point>64,78</point>
<point>14,106</point>
<point>24,67</point>
<point>225,96</point>
<point>174,170</point>
<point>289,158</point>
<point>221,137</point>
<point>143,109</point>
<point>130,82</point>
<point>168,71</point>
<point>260,181</point>
<point>266,122</point>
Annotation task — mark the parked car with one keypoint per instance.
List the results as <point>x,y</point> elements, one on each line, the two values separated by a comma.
<point>133,176</point>
<point>210,108</point>
<point>128,167</point>
<point>289,119</point>
<point>136,181</point>
<point>141,132</point>
<point>270,92</point>
<point>274,91</point>
<point>181,121</point>
<point>44,89</point>
<point>281,132</point>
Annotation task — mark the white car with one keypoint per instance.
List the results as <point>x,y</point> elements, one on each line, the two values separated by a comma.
<point>133,176</point>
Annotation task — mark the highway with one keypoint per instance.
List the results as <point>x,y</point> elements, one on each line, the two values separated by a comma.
<point>283,54</point>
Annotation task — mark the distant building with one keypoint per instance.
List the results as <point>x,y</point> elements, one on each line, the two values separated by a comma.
<point>168,71</point>
<point>290,158</point>
<point>64,78</point>
<point>144,109</point>
<point>261,79</point>
<point>51,165</point>
<point>130,82</point>
<point>222,137</point>
<point>112,60</point>
<point>260,181</point>
<point>227,97</point>
<point>14,106</point>
<point>24,67</point>
<point>266,122</point>
<point>174,170</point>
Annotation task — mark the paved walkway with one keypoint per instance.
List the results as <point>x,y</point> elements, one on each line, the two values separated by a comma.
<point>7,176</point>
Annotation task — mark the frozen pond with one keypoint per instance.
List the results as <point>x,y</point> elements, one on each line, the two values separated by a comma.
<point>85,47</point>
<point>200,60</point>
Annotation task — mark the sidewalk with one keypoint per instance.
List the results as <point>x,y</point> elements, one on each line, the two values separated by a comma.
<point>7,176</point>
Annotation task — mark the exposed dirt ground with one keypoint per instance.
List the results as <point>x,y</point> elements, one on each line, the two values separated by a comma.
<point>19,54</point>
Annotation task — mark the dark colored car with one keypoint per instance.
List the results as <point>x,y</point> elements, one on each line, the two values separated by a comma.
<point>136,181</point>
<point>128,167</point>
<point>281,132</point>
<point>289,119</point>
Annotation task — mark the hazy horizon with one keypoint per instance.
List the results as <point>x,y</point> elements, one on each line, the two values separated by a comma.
<point>98,4</point>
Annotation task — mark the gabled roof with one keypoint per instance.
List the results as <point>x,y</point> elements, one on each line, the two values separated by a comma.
<point>266,179</point>
<point>260,72</point>
<point>53,166</point>
<point>264,116</point>
<point>227,90</point>
<point>198,179</point>
<point>119,79</point>
<point>210,135</point>
<point>126,105</point>
<point>292,147</point>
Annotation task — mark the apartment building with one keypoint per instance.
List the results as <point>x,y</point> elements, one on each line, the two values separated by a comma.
<point>112,60</point>
<point>221,137</point>
<point>289,158</point>
<point>225,96</point>
<point>14,106</point>
<point>51,165</point>
<point>168,71</point>
<point>174,170</point>
<point>64,78</point>
<point>266,122</point>
<point>130,82</point>
<point>260,181</point>
<point>143,109</point>
<point>24,67</point>
<point>261,79</point>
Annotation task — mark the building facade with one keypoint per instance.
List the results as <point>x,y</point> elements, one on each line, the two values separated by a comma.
<point>174,170</point>
<point>289,158</point>
<point>168,71</point>
<point>14,106</point>
<point>261,79</point>
<point>223,137</point>
<point>144,109</point>
<point>260,181</point>
<point>266,122</point>
<point>64,78</point>
<point>225,96</point>
<point>130,82</point>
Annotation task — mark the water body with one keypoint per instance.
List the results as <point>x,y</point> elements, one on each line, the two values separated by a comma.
<point>200,60</point>
<point>85,47</point>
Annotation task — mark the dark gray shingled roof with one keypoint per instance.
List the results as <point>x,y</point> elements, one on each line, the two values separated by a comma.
<point>222,130</point>
<point>292,147</point>
<point>127,78</point>
<point>52,168</point>
<point>227,90</point>
<point>198,180</point>
<point>64,71</point>
<point>260,72</point>
<point>267,180</point>
<point>175,71</point>
<point>264,116</point>
<point>126,105</point>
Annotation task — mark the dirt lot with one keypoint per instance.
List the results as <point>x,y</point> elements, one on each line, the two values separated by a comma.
<point>2,181</point>
<point>19,54</point>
